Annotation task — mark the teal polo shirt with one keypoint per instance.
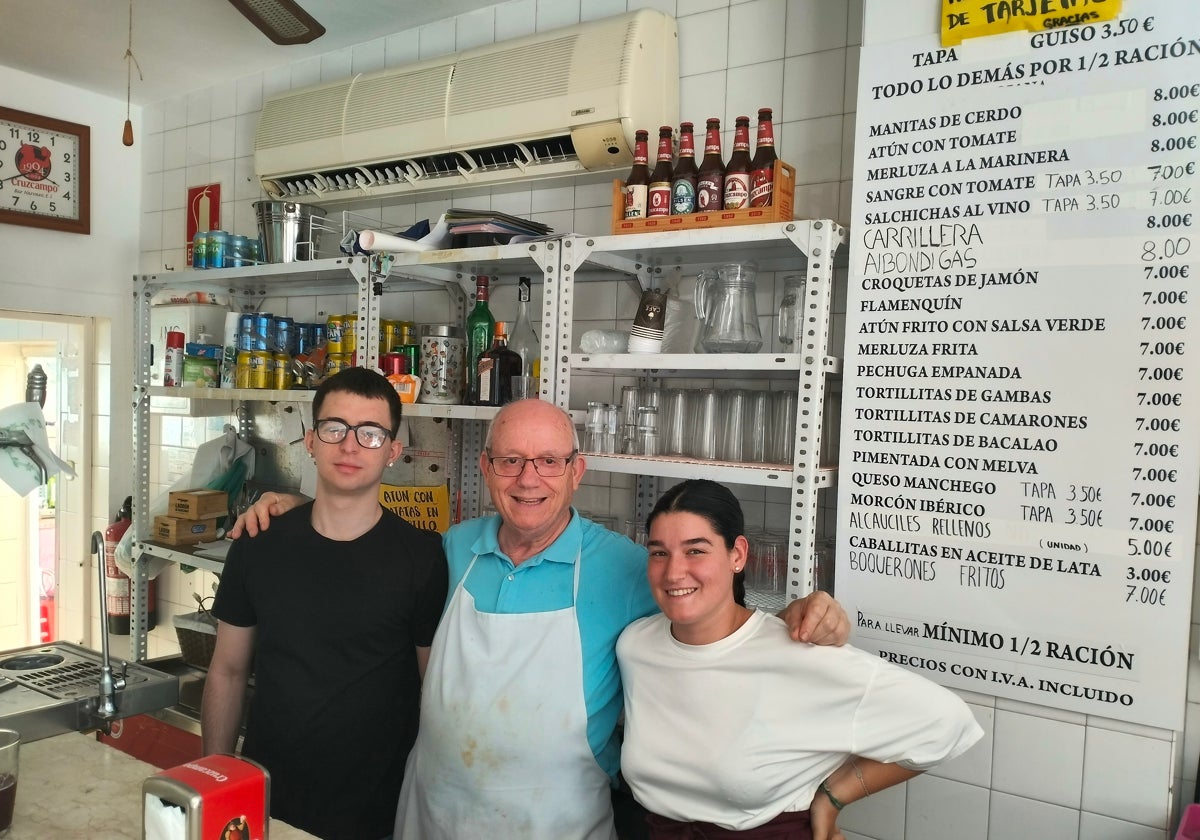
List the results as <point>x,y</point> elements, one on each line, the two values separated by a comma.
<point>613,592</point>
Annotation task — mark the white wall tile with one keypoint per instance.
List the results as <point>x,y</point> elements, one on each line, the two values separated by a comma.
<point>516,19</point>
<point>703,42</point>
<point>336,65</point>
<point>887,20</point>
<point>1097,827</point>
<point>152,152</point>
<point>199,144</point>
<point>555,14</point>
<point>695,7</point>
<point>701,97</point>
<point>368,57</point>
<point>150,234</point>
<point>475,29</point>
<point>755,34</point>
<point>749,88</point>
<point>1038,758</point>
<point>600,9</point>
<point>174,192</point>
<point>813,85</point>
<point>245,185</point>
<point>880,816</point>
<point>854,22</point>
<point>199,106</point>
<point>152,118</point>
<point>175,113</point>
<point>938,809</point>
<point>437,39</point>
<point>1191,741</point>
<point>151,193</point>
<point>1127,777</point>
<point>249,93</point>
<point>1064,715</point>
<point>174,148</point>
<point>814,25</point>
<point>975,765</point>
<point>1017,818</point>
<point>814,147</point>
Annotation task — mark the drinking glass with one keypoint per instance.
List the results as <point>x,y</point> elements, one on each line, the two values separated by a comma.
<point>758,416</point>
<point>10,748</point>
<point>673,438</point>
<point>733,408</point>
<point>783,427</point>
<point>706,405</point>
<point>772,563</point>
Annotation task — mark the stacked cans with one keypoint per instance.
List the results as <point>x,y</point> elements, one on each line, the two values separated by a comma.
<point>220,249</point>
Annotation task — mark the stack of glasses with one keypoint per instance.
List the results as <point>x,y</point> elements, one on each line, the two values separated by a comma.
<point>741,426</point>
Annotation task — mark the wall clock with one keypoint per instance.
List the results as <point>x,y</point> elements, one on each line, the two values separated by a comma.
<point>45,177</point>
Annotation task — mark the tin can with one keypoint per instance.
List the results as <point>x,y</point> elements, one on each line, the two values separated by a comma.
<point>240,252</point>
<point>407,334</point>
<point>442,364</point>
<point>318,334</point>
<point>283,338</point>
<point>389,332</point>
<point>218,249</point>
<point>260,369</point>
<point>350,334</point>
<point>304,339</point>
<point>262,327</point>
<point>280,373</point>
<point>412,358</point>
<point>392,363</point>
<point>245,331</point>
<point>335,326</point>
<point>337,362</point>
<point>241,375</point>
<point>200,249</point>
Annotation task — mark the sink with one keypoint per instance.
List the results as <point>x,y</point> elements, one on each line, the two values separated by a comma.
<point>53,688</point>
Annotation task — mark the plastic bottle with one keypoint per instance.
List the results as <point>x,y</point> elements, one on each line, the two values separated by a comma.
<point>683,183</point>
<point>524,341</point>
<point>710,184</point>
<point>658,197</point>
<point>762,168</point>
<point>737,171</point>
<point>480,325</point>
<point>638,182</point>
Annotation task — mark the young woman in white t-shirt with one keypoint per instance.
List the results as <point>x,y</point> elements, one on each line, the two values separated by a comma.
<point>734,730</point>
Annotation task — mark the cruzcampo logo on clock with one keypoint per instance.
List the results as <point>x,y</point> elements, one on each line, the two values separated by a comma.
<point>44,172</point>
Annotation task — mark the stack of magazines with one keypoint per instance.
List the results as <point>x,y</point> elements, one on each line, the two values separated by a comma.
<point>474,228</point>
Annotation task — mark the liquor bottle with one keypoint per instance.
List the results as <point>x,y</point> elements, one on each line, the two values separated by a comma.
<point>524,341</point>
<point>710,184</point>
<point>480,325</point>
<point>683,184</point>
<point>638,182</point>
<point>737,171</point>
<point>762,168</point>
<point>497,367</point>
<point>658,197</point>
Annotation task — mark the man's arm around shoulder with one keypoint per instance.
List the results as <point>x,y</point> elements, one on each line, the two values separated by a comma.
<point>225,688</point>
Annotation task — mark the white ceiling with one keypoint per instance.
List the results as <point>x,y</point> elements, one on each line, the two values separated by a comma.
<point>184,45</point>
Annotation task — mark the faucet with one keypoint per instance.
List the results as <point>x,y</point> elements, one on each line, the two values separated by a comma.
<point>106,708</point>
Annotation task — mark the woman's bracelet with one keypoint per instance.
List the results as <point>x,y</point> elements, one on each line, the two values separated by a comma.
<point>858,774</point>
<point>832,799</point>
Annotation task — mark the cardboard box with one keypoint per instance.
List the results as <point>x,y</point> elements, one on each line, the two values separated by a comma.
<point>780,210</point>
<point>198,504</point>
<point>173,531</point>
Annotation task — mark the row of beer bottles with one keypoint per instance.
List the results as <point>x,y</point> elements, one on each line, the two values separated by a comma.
<point>714,185</point>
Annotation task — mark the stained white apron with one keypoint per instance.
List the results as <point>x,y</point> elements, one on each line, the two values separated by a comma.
<point>502,752</point>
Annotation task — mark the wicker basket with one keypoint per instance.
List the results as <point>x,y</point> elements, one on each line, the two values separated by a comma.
<point>197,634</point>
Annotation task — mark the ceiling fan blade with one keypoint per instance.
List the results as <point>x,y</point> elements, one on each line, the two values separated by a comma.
<point>283,21</point>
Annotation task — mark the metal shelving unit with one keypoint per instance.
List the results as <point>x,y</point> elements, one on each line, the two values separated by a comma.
<point>775,247</point>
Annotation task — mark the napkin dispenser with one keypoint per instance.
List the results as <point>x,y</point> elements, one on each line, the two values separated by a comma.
<point>217,797</point>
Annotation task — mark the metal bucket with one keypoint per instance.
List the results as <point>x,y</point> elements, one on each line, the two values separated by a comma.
<point>289,231</point>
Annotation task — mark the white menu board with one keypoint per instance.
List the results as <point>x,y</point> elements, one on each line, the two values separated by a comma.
<point>1021,410</point>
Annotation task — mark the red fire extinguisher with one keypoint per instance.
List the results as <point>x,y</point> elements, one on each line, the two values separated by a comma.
<point>117,583</point>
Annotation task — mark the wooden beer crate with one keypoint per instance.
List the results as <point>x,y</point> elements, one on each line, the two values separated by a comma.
<point>780,210</point>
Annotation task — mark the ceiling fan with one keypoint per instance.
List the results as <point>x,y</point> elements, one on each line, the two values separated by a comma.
<point>283,21</point>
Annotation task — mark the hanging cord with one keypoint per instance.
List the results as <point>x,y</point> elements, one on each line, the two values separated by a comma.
<point>130,62</point>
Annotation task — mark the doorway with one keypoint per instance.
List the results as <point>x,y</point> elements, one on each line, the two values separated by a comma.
<point>36,529</point>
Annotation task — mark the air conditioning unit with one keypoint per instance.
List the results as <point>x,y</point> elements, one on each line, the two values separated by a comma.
<point>555,103</point>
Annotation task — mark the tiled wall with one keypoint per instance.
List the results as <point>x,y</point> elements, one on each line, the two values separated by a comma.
<point>1039,772</point>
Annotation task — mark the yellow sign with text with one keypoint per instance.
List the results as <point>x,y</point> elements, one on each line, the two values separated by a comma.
<point>427,508</point>
<point>978,18</point>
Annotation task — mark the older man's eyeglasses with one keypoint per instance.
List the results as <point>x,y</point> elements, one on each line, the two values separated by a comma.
<point>369,435</point>
<point>547,466</point>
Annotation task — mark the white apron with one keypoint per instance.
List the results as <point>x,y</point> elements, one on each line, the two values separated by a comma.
<point>502,752</point>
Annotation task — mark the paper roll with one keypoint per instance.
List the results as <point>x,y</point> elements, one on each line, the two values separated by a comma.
<point>374,240</point>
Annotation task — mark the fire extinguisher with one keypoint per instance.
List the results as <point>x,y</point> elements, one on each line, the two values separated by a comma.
<point>118,583</point>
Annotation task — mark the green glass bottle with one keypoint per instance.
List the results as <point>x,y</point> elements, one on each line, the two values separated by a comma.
<point>480,326</point>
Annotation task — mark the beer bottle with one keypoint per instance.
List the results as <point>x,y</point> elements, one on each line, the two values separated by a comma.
<point>762,168</point>
<point>638,181</point>
<point>683,184</point>
<point>737,171</point>
<point>658,201</point>
<point>710,183</point>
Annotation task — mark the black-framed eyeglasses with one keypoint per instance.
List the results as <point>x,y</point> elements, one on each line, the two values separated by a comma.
<point>548,466</point>
<point>368,435</point>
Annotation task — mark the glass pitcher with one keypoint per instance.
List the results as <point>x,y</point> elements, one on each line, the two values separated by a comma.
<point>727,311</point>
<point>791,308</point>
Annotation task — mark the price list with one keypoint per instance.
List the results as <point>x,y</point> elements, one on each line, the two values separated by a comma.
<point>1021,413</point>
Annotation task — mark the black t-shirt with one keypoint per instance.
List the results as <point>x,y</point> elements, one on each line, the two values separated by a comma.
<point>337,693</point>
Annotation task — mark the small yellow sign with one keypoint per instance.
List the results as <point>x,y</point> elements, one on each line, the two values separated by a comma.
<point>427,508</point>
<point>977,18</point>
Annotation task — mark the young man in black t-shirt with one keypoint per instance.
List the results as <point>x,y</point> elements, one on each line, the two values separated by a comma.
<point>335,608</point>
